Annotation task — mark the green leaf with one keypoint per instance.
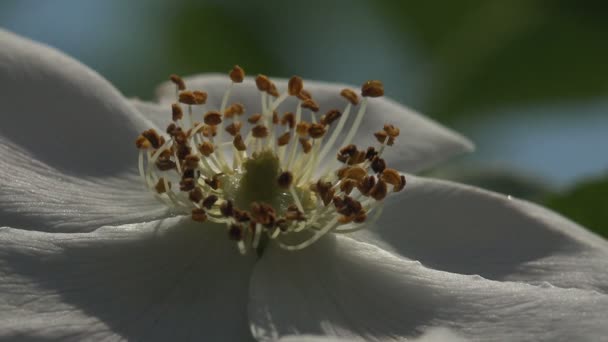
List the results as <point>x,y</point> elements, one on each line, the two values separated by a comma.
<point>585,203</point>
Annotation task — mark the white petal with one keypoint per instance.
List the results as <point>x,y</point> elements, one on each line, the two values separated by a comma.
<point>161,281</point>
<point>422,143</point>
<point>431,335</point>
<point>62,112</point>
<point>351,289</point>
<point>34,195</point>
<point>462,229</point>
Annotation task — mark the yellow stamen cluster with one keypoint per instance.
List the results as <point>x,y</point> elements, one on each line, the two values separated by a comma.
<point>278,185</point>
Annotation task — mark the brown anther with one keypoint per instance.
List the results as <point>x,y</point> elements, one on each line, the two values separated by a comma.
<point>366,185</point>
<point>273,90</point>
<point>160,186</point>
<point>294,214</point>
<point>330,117</point>
<point>401,185</point>
<point>241,215</point>
<point>306,145</point>
<point>253,119</point>
<point>302,128</point>
<point>176,112</point>
<point>214,182</point>
<point>234,109</point>
<point>342,172</point>
<point>289,119</point>
<point>370,153</point>
<point>347,186</point>
<point>187,97</point>
<point>392,177</point>
<point>213,118</point>
<point>282,224</point>
<point>180,137</point>
<point>209,201</point>
<point>350,95</point>
<point>325,190</point>
<point>238,142</point>
<point>178,81</point>
<point>227,209</point>
<point>295,85</point>
<point>191,161</point>
<point>372,88</point>
<point>360,217</point>
<point>391,130</point>
<point>142,143</point>
<point>236,232</point>
<point>316,130</point>
<point>199,215</point>
<point>259,131</point>
<point>391,141</point>
<point>284,139</point>
<point>381,136</point>
<point>153,137</point>
<point>237,74</point>
<point>345,219</point>
<point>209,131</point>
<point>275,117</point>
<point>182,151</point>
<point>234,128</point>
<point>200,97</point>
<point>304,95</point>
<point>285,179</point>
<point>356,173</point>
<point>378,192</point>
<point>186,184</point>
<point>196,195</point>
<point>310,104</point>
<point>165,164</point>
<point>206,148</point>
<point>262,213</point>
<point>348,206</point>
<point>172,128</point>
<point>262,82</point>
<point>188,173</point>
<point>348,150</point>
<point>357,158</point>
<point>378,164</point>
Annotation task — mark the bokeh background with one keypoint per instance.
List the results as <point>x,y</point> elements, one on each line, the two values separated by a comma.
<point>526,80</point>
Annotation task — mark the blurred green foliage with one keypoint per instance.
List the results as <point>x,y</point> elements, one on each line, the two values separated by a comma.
<point>585,203</point>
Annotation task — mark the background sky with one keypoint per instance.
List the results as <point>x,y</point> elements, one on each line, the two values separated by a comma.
<point>527,81</point>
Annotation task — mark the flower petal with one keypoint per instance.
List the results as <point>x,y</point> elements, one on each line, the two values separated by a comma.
<point>422,143</point>
<point>63,113</point>
<point>463,229</point>
<point>34,195</point>
<point>351,289</point>
<point>160,281</point>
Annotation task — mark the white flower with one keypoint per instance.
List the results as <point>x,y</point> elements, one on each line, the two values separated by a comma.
<point>86,254</point>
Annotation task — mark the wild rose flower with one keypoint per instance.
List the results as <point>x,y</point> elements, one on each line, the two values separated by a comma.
<point>86,252</point>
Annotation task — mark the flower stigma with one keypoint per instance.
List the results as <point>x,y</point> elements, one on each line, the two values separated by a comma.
<point>268,176</point>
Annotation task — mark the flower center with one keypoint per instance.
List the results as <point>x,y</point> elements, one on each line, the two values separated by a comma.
<point>269,179</point>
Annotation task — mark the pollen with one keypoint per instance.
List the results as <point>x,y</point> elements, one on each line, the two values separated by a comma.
<point>267,177</point>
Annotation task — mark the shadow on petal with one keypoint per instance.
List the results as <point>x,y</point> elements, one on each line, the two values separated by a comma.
<point>156,281</point>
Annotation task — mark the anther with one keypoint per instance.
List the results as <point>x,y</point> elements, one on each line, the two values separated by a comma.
<point>275,117</point>
<point>379,191</point>
<point>178,81</point>
<point>302,128</point>
<point>182,151</point>
<point>165,164</point>
<point>310,104</point>
<point>171,129</point>
<point>295,85</point>
<point>191,161</point>
<point>372,89</point>
<point>370,153</point>
<point>350,95</point>
<point>234,109</point>
<point>142,143</point>
<point>253,119</point>
<point>235,232</point>
<point>209,131</point>
<point>273,90</point>
<point>285,179</point>
<point>200,97</point>
<point>366,185</point>
<point>381,136</point>
<point>153,137</point>
<point>187,97</point>
<point>237,74</point>
<point>401,185</point>
<point>259,131</point>
<point>316,131</point>
<point>176,111</point>
<point>262,213</point>
<point>160,186</point>
<point>206,148</point>
<point>199,215</point>
<point>186,184</point>
<point>304,95</point>
<point>330,117</point>
<point>196,195</point>
<point>284,139</point>
<point>238,142</point>
<point>262,82</point>
<point>213,118</point>
<point>289,119</point>
<point>234,128</point>
<point>347,186</point>
<point>378,164</point>
<point>391,130</point>
<point>294,214</point>
<point>306,145</point>
<point>227,209</point>
<point>209,201</point>
<point>214,182</point>
<point>241,215</point>
<point>356,173</point>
